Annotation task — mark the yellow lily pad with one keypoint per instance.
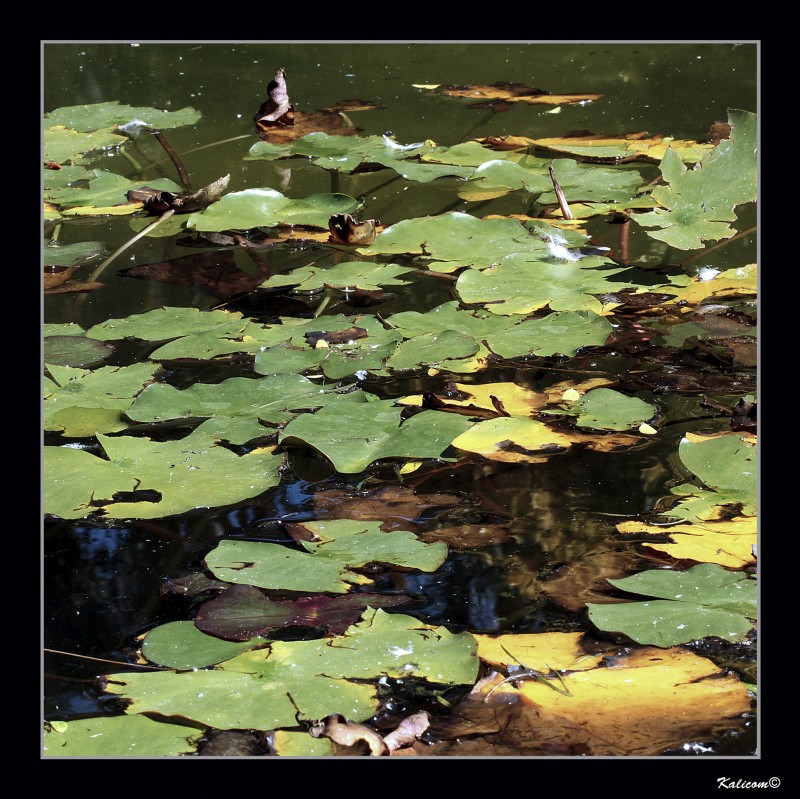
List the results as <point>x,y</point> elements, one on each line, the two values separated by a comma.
<point>728,543</point>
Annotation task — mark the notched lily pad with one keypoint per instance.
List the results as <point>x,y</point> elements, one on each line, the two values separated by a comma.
<point>338,546</point>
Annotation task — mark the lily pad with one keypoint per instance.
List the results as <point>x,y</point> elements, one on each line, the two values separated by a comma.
<point>252,208</point>
<point>455,239</point>
<point>181,645</point>
<point>162,324</point>
<point>352,153</point>
<point>523,283</point>
<point>265,689</point>
<point>513,440</point>
<point>75,350</point>
<point>706,600</point>
<point>728,465</point>
<point>117,115</point>
<point>697,204</point>
<point>354,434</point>
<point>326,565</point>
<point>350,275</point>
<point>177,476</point>
<point>271,400</point>
<point>120,736</point>
<point>82,402</point>
<point>65,146</point>
<point>606,409</point>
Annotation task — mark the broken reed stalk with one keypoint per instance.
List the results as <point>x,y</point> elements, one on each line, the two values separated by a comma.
<point>175,158</point>
<point>624,237</point>
<point>562,200</point>
<point>101,268</point>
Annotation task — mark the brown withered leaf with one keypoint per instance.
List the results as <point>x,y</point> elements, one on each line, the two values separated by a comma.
<point>513,93</point>
<point>55,276</point>
<point>276,110</point>
<point>326,121</point>
<point>346,230</point>
<point>396,506</point>
<point>409,730</point>
<point>349,734</point>
<point>58,280</point>
<point>468,536</point>
<point>336,336</point>
<point>643,702</point>
<point>157,202</point>
<point>215,273</point>
<point>584,579</point>
<point>278,122</point>
<point>352,105</point>
<point>718,132</point>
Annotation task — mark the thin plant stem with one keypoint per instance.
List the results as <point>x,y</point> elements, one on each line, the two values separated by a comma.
<point>203,147</point>
<point>102,660</point>
<point>131,160</point>
<point>723,243</point>
<point>176,159</point>
<point>101,268</point>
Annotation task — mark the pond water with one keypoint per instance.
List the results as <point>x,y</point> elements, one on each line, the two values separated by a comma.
<point>104,579</point>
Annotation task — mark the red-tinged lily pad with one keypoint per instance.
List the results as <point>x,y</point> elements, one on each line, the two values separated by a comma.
<point>242,612</point>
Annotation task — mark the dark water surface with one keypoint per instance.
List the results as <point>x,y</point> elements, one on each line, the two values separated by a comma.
<point>102,580</point>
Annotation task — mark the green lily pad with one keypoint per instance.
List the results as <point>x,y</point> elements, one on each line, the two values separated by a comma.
<point>728,466</point>
<point>455,239</point>
<point>120,736</point>
<point>183,475</point>
<point>706,600</point>
<point>353,274</point>
<point>554,334</point>
<point>180,645</point>
<point>349,153</point>
<point>63,145</point>
<point>75,350</point>
<point>432,349</point>
<point>697,204</point>
<point>523,283</point>
<point>353,434</point>
<point>99,397</point>
<point>265,689</point>
<point>252,208</point>
<point>161,324</point>
<point>606,409</point>
<point>72,254</point>
<point>105,189</point>
<point>272,400</point>
<point>326,565</point>
<point>117,115</point>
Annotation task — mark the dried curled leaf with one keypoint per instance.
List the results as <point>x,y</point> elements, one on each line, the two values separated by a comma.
<point>348,733</point>
<point>345,230</point>
<point>409,730</point>
<point>276,110</point>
